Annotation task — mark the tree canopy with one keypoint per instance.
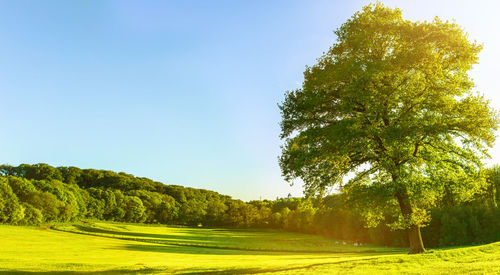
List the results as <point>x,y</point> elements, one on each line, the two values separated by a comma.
<point>390,115</point>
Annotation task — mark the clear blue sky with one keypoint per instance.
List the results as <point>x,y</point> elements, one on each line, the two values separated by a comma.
<point>181,92</point>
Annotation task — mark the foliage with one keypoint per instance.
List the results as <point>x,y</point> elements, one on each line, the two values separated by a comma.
<point>32,202</point>
<point>32,215</point>
<point>390,103</point>
<point>10,209</point>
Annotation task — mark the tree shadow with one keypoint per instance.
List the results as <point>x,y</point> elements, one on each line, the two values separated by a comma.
<point>182,249</point>
<point>168,242</point>
<point>137,234</point>
<point>196,271</point>
<point>199,242</point>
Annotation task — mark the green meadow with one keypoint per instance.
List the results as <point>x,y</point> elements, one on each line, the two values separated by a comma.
<point>104,247</point>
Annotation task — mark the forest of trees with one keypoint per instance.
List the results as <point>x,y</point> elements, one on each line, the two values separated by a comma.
<point>42,194</point>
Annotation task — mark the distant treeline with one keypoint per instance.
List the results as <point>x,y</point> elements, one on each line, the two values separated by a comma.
<point>40,193</point>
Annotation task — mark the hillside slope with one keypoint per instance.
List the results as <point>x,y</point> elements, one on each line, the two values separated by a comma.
<point>123,248</point>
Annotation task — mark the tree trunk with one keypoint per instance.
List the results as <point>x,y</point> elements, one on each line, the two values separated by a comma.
<point>414,236</point>
<point>415,239</point>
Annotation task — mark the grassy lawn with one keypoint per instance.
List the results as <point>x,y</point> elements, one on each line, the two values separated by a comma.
<point>122,248</point>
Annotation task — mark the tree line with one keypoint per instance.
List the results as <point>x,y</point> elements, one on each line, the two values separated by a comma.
<point>40,193</point>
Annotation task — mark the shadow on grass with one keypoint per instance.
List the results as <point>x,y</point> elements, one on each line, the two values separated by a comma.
<point>260,270</point>
<point>174,247</point>
<point>211,251</point>
<point>198,237</point>
<point>197,243</point>
<point>91,229</point>
<point>198,250</point>
<point>184,271</point>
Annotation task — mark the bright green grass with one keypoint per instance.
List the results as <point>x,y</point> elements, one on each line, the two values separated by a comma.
<point>122,248</point>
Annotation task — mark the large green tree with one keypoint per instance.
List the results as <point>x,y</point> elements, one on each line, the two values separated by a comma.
<point>388,113</point>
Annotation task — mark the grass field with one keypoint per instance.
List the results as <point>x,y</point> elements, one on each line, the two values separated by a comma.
<point>122,248</point>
